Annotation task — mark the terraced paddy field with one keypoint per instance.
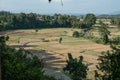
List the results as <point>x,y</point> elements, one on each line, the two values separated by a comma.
<point>45,45</point>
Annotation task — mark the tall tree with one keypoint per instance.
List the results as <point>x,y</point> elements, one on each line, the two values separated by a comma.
<point>90,20</point>
<point>104,32</point>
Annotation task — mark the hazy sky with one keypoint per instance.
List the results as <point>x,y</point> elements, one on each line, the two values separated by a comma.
<point>69,7</point>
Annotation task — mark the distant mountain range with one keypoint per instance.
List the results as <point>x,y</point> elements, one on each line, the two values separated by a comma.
<point>115,13</point>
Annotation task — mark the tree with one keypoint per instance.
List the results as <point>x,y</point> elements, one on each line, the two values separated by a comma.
<point>104,33</point>
<point>110,65</point>
<point>76,68</point>
<point>90,20</point>
<point>19,64</point>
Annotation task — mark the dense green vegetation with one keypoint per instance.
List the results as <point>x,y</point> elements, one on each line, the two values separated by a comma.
<point>76,68</point>
<point>19,64</point>
<point>90,20</point>
<point>76,34</point>
<point>109,65</point>
<point>32,21</point>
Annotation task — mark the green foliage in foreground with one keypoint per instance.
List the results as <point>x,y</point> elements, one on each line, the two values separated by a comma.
<point>109,65</point>
<point>76,68</point>
<point>19,64</point>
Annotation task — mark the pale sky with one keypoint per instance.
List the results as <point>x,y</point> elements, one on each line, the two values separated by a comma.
<point>69,7</point>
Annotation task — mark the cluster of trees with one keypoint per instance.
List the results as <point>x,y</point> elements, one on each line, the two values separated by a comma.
<point>18,21</point>
<point>31,21</point>
<point>104,33</point>
<point>26,21</point>
<point>109,65</point>
<point>19,64</point>
<point>88,21</point>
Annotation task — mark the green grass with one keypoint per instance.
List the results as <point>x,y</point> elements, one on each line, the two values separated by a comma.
<point>67,40</point>
<point>14,39</point>
<point>91,52</point>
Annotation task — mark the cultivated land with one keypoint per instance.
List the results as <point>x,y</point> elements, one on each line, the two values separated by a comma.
<point>45,45</point>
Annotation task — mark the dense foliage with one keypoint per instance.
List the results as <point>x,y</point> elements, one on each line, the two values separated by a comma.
<point>109,62</point>
<point>109,65</point>
<point>90,20</point>
<point>104,34</point>
<point>76,34</point>
<point>76,68</point>
<point>32,21</point>
<point>19,64</point>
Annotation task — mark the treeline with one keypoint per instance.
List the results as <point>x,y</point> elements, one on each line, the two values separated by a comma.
<point>32,20</point>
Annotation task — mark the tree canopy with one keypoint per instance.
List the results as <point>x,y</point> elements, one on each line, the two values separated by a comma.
<point>19,64</point>
<point>90,20</point>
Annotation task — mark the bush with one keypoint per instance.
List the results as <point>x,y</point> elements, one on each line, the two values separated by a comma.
<point>97,40</point>
<point>100,41</point>
<point>109,65</point>
<point>81,34</point>
<point>76,34</point>
<point>75,68</point>
<point>36,30</point>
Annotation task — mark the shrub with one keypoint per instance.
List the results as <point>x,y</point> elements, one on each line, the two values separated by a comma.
<point>75,68</point>
<point>36,30</point>
<point>76,34</point>
<point>81,34</point>
<point>97,40</point>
